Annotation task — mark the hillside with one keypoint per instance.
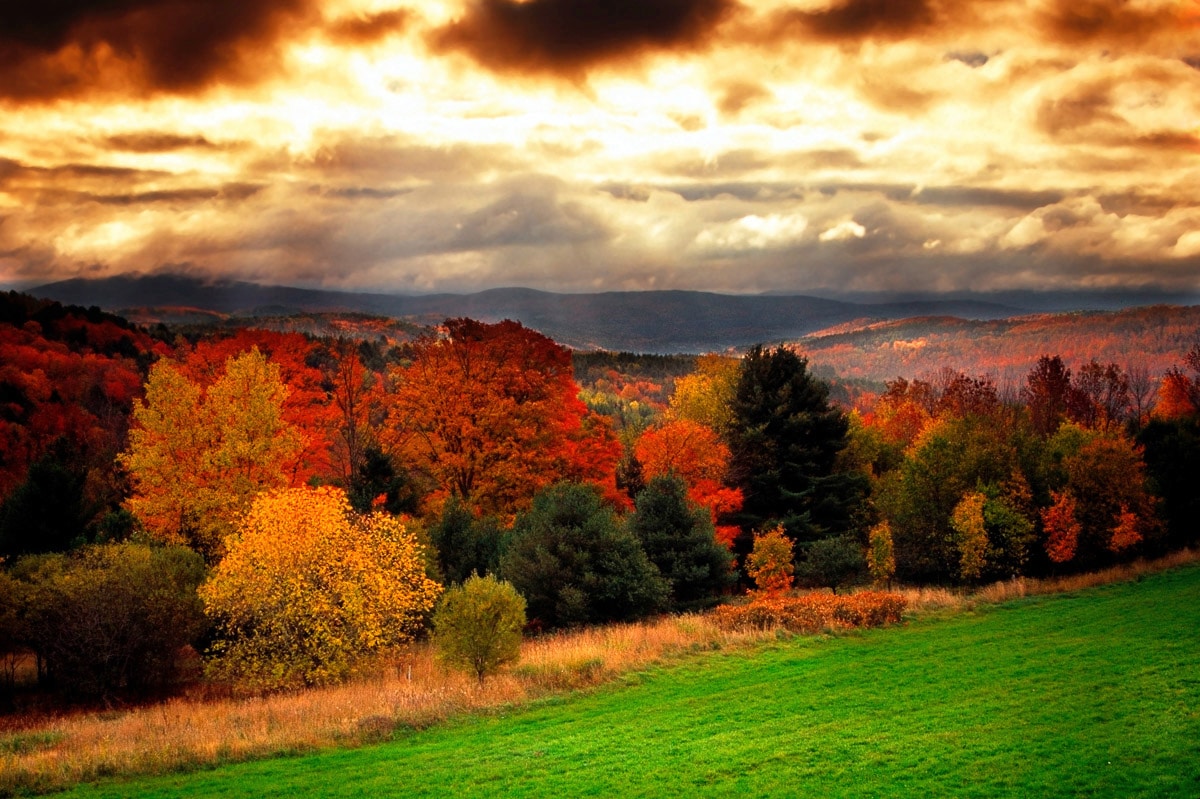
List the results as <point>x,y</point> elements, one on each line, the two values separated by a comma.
<point>1083,694</point>
<point>1155,338</point>
<point>648,321</point>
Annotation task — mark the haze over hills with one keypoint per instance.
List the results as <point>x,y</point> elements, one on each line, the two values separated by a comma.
<point>644,321</point>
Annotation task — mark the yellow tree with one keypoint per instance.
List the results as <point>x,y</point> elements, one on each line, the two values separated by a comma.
<point>967,521</point>
<point>706,395</point>
<point>309,589</point>
<point>196,458</point>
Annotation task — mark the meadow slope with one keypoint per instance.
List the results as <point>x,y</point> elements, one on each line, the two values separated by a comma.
<point>1094,693</point>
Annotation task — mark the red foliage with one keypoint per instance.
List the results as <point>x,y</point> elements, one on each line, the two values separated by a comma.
<point>1061,526</point>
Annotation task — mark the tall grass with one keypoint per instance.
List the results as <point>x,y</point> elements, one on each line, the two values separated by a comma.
<point>411,690</point>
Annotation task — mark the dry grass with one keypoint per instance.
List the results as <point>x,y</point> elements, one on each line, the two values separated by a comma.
<point>412,691</point>
<point>935,598</point>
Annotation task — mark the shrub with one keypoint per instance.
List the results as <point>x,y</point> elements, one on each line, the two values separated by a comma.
<point>811,613</point>
<point>308,588</point>
<point>477,626</point>
<point>110,619</point>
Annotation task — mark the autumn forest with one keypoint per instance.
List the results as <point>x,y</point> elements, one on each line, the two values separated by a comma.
<point>288,507</point>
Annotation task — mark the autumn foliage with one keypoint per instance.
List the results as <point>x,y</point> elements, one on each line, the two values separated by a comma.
<point>490,414</point>
<point>308,588</point>
<point>813,613</point>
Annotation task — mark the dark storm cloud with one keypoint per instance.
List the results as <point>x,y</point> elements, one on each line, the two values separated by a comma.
<point>234,192</point>
<point>854,20</point>
<point>566,37</point>
<point>971,58</point>
<point>50,50</point>
<point>1078,21</point>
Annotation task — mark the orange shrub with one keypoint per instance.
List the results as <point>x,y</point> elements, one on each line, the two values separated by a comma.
<point>811,613</point>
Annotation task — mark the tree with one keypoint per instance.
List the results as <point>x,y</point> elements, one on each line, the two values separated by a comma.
<point>1172,455</point>
<point>831,562</point>
<point>491,414</point>
<point>881,558</point>
<point>109,620</point>
<point>1048,394</point>
<point>696,455</point>
<point>466,543</point>
<point>706,396</point>
<point>197,457</point>
<point>1061,527</point>
<point>575,563</point>
<point>967,521</point>
<point>48,512</point>
<point>678,537</point>
<point>785,443</point>
<point>309,589</point>
<point>770,564</point>
<point>477,626</point>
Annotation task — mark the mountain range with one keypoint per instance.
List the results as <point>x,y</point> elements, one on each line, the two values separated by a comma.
<point>641,321</point>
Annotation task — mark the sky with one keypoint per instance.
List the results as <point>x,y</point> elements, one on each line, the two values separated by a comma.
<point>801,146</point>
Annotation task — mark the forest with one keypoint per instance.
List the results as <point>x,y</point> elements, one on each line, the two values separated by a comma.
<point>284,507</point>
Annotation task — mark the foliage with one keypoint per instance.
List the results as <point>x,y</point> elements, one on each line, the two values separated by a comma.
<point>770,564</point>
<point>967,521</point>
<point>1172,457</point>
<point>309,588</point>
<point>49,511</point>
<point>466,543</point>
<point>196,457</point>
<point>491,415</point>
<point>813,613</point>
<point>881,556</point>
<point>785,441</point>
<point>1061,527</point>
<point>695,454</point>
<point>679,538</point>
<point>575,563</point>
<point>477,626</point>
<point>108,620</point>
<point>706,396</point>
<point>830,562</point>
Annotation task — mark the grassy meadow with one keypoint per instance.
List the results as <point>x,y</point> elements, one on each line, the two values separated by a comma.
<point>1090,693</point>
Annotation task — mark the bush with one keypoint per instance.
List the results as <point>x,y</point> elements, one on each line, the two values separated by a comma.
<point>812,613</point>
<point>831,562</point>
<point>110,620</point>
<point>309,588</point>
<point>575,564</point>
<point>477,626</point>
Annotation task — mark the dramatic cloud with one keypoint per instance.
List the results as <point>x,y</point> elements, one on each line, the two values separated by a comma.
<point>51,50</point>
<point>454,145</point>
<point>568,36</point>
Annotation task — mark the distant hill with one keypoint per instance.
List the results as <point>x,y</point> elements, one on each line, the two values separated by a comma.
<point>1154,337</point>
<point>644,321</point>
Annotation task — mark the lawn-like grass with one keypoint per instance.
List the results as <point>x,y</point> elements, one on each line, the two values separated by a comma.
<point>1083,695</point>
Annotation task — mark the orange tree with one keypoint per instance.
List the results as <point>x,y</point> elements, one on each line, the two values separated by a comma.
<point>309,588</point>
<point>490,414</point>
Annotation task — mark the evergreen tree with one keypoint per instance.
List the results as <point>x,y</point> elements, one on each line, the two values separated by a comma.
<point>678,537</point>
<point>785,440</point>
<point>575,563</point>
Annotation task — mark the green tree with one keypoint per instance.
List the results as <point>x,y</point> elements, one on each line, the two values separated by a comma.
<point>831,562</point>
<point>108,620</point>
<point>881,557</point>
<point>309,589</point>
<point>466,543</point>
<point>678,537</point>
<point>477,626</point>
<point>785,441</point>
<point>575,563</point>
<point>47,512</point>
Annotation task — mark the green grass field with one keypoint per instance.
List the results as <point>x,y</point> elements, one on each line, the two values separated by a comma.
<point>1079,695</point>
